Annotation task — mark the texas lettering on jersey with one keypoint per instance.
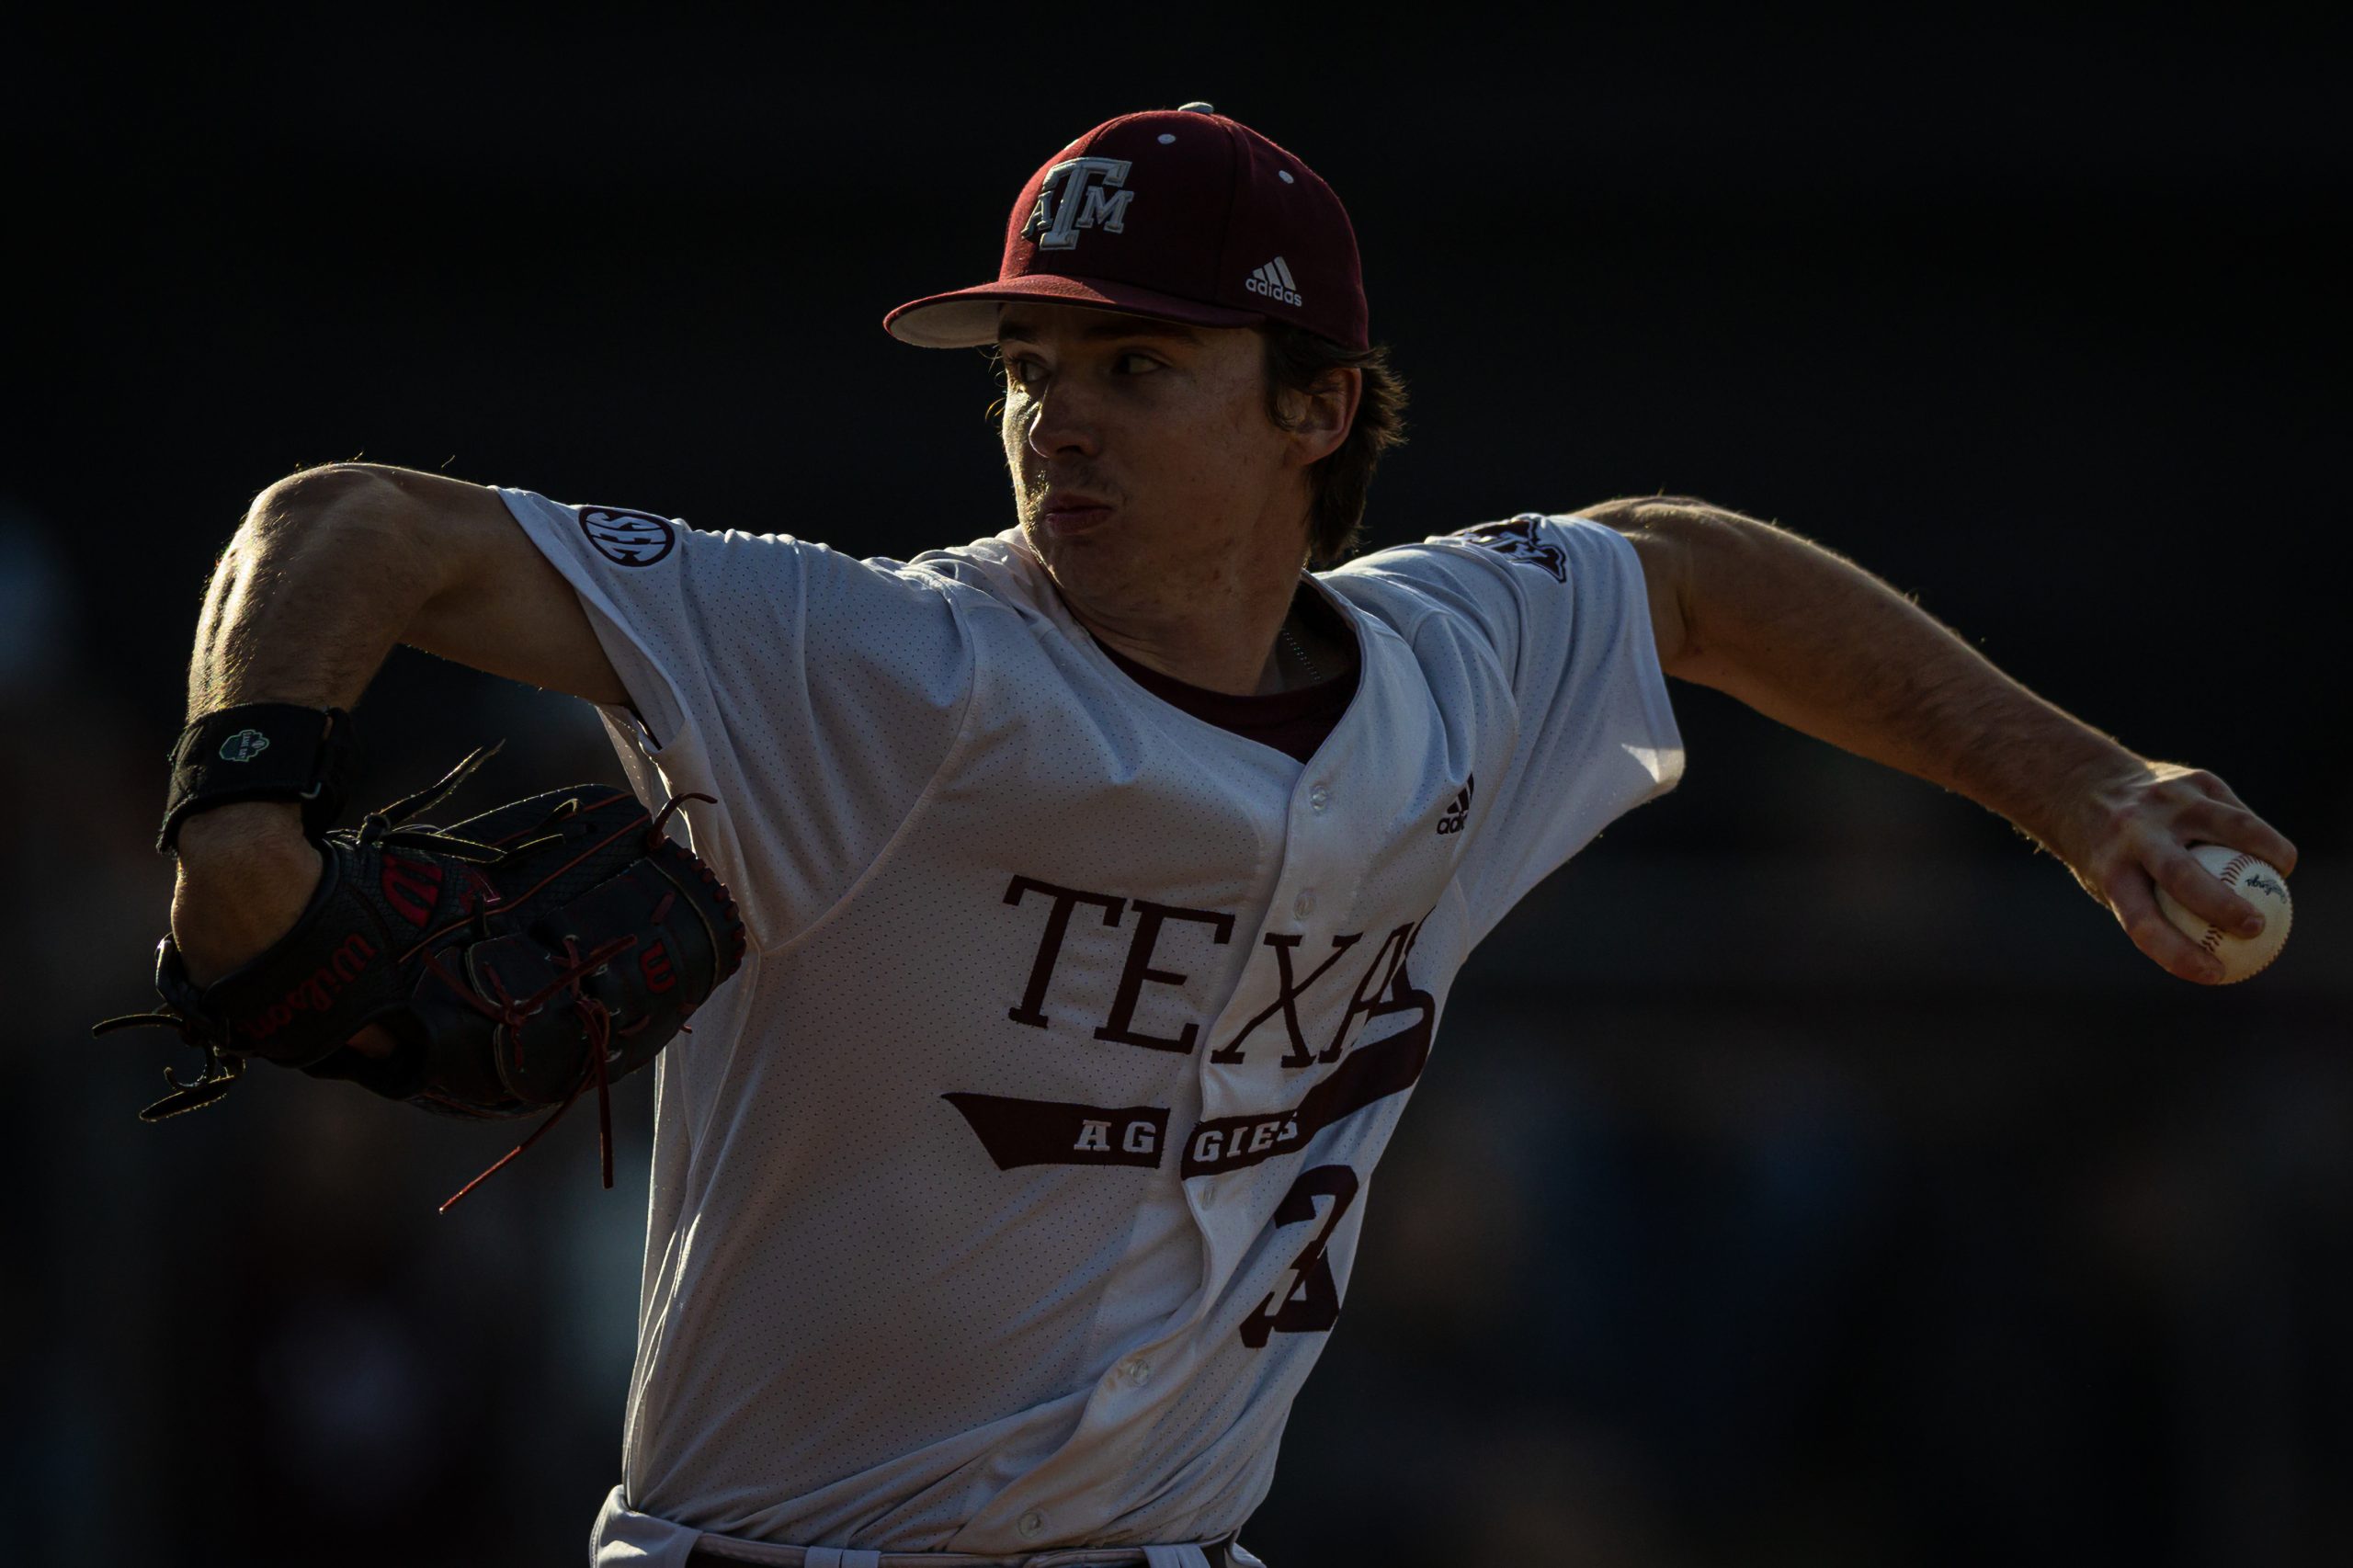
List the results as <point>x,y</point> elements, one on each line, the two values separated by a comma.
<point>1016,1132</point>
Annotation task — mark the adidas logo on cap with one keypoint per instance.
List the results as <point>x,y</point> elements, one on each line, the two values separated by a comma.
<point>1274,280</point>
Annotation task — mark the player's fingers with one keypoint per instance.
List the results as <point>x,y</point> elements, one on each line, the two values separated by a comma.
<point>2235,827</point>
<point>2223,818</point>
<point>2211,784</point>
<point>2135,904</point>
<point>2201,893</point>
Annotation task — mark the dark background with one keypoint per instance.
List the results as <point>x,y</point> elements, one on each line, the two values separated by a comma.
<point>1809,1175</point>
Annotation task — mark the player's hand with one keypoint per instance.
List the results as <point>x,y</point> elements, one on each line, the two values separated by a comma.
<point>2129,834</point>
<point>246,873</point>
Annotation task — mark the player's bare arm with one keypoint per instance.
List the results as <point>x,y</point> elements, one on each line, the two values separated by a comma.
<point>330,569</point>
<point>1812,641</point>
<point>333,565</point>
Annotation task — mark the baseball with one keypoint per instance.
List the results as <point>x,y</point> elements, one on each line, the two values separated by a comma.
<point>2257,882</point>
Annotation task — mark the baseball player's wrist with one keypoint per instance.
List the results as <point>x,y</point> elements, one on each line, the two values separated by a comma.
<point>2062,798</point>
<point>237,830</point>
<point>241,887</point>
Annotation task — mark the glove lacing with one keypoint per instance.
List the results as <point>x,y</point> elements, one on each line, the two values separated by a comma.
<point>386,827</point>
<point>597,1020</point>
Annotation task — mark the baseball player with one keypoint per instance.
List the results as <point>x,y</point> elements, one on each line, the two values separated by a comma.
<point>1104,876</point>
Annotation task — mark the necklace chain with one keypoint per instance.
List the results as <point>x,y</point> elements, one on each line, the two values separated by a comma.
<point>1314,677</point>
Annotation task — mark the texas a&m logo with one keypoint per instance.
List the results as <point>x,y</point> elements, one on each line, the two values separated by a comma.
<point>1084,193</point>
<point>1518,539</point>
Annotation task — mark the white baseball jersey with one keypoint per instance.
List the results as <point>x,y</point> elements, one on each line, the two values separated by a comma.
<point>1005,1196</point>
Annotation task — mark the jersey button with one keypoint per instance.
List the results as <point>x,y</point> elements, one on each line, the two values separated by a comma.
<point>1319,796</point>
<point>1135,1372</point>
<point>1304,905</point>
<point>1032,1524</point>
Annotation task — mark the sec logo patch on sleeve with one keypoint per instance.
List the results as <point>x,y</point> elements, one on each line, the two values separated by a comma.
<point>627,538</point>
<point>1518,539</point>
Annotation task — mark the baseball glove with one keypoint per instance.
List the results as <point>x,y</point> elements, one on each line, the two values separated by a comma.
<point>516,958</point>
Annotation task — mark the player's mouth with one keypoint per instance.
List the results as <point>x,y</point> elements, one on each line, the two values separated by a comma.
<point>1067,512</point>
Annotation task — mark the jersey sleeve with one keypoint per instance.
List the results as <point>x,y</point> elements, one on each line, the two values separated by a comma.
<point>814,696</point>
<point>1562,604</point>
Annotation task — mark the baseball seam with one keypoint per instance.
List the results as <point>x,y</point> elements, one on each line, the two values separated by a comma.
<point>2229,877</point>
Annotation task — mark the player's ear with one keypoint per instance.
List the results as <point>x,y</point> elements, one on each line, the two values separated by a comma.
<point>1320,416</point>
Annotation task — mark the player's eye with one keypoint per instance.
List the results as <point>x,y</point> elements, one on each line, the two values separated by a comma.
<point>1023,373</point>
<point>1137,364</point>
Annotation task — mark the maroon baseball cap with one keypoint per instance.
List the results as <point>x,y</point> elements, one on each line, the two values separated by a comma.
<point>1179,214</point>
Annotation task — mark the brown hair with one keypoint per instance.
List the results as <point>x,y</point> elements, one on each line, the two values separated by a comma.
<point>1296,360</point>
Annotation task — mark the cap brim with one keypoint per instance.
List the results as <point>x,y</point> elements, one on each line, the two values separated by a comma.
<point>967,318</point>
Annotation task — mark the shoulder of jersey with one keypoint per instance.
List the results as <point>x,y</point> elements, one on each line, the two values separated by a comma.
<point>999,565</point>
<point>1519,539</point>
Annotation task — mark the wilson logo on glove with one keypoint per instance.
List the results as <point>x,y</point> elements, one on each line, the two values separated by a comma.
<point>501,990</point>
<point>315,992</point>
<point>411,887</point>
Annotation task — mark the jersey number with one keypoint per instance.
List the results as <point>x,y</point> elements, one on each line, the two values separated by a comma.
<point>1313,1303</point>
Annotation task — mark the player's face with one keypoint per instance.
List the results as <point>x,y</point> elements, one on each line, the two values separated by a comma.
<point>1146,470</point>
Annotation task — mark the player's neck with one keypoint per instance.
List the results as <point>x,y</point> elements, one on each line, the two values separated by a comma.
<point>1241,652</point>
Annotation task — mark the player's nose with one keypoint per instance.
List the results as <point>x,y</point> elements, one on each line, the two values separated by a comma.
<point>1062,423</point>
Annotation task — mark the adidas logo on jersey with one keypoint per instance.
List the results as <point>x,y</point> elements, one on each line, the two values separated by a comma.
<point>1456,813</point>
<point>1275,281</point>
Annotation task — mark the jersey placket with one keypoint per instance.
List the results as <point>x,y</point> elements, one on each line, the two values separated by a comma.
<point>1368,773</point>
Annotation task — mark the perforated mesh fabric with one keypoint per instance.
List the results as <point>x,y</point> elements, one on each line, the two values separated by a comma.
<point>876,1316</point>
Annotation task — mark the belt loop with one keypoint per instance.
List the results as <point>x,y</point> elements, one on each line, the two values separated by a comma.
<point>1186,1556</point>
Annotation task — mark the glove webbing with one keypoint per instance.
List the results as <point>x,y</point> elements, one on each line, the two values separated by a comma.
<point>596,1021</point>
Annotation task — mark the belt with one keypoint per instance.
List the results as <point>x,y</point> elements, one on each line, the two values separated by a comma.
<point>721,1552</point>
